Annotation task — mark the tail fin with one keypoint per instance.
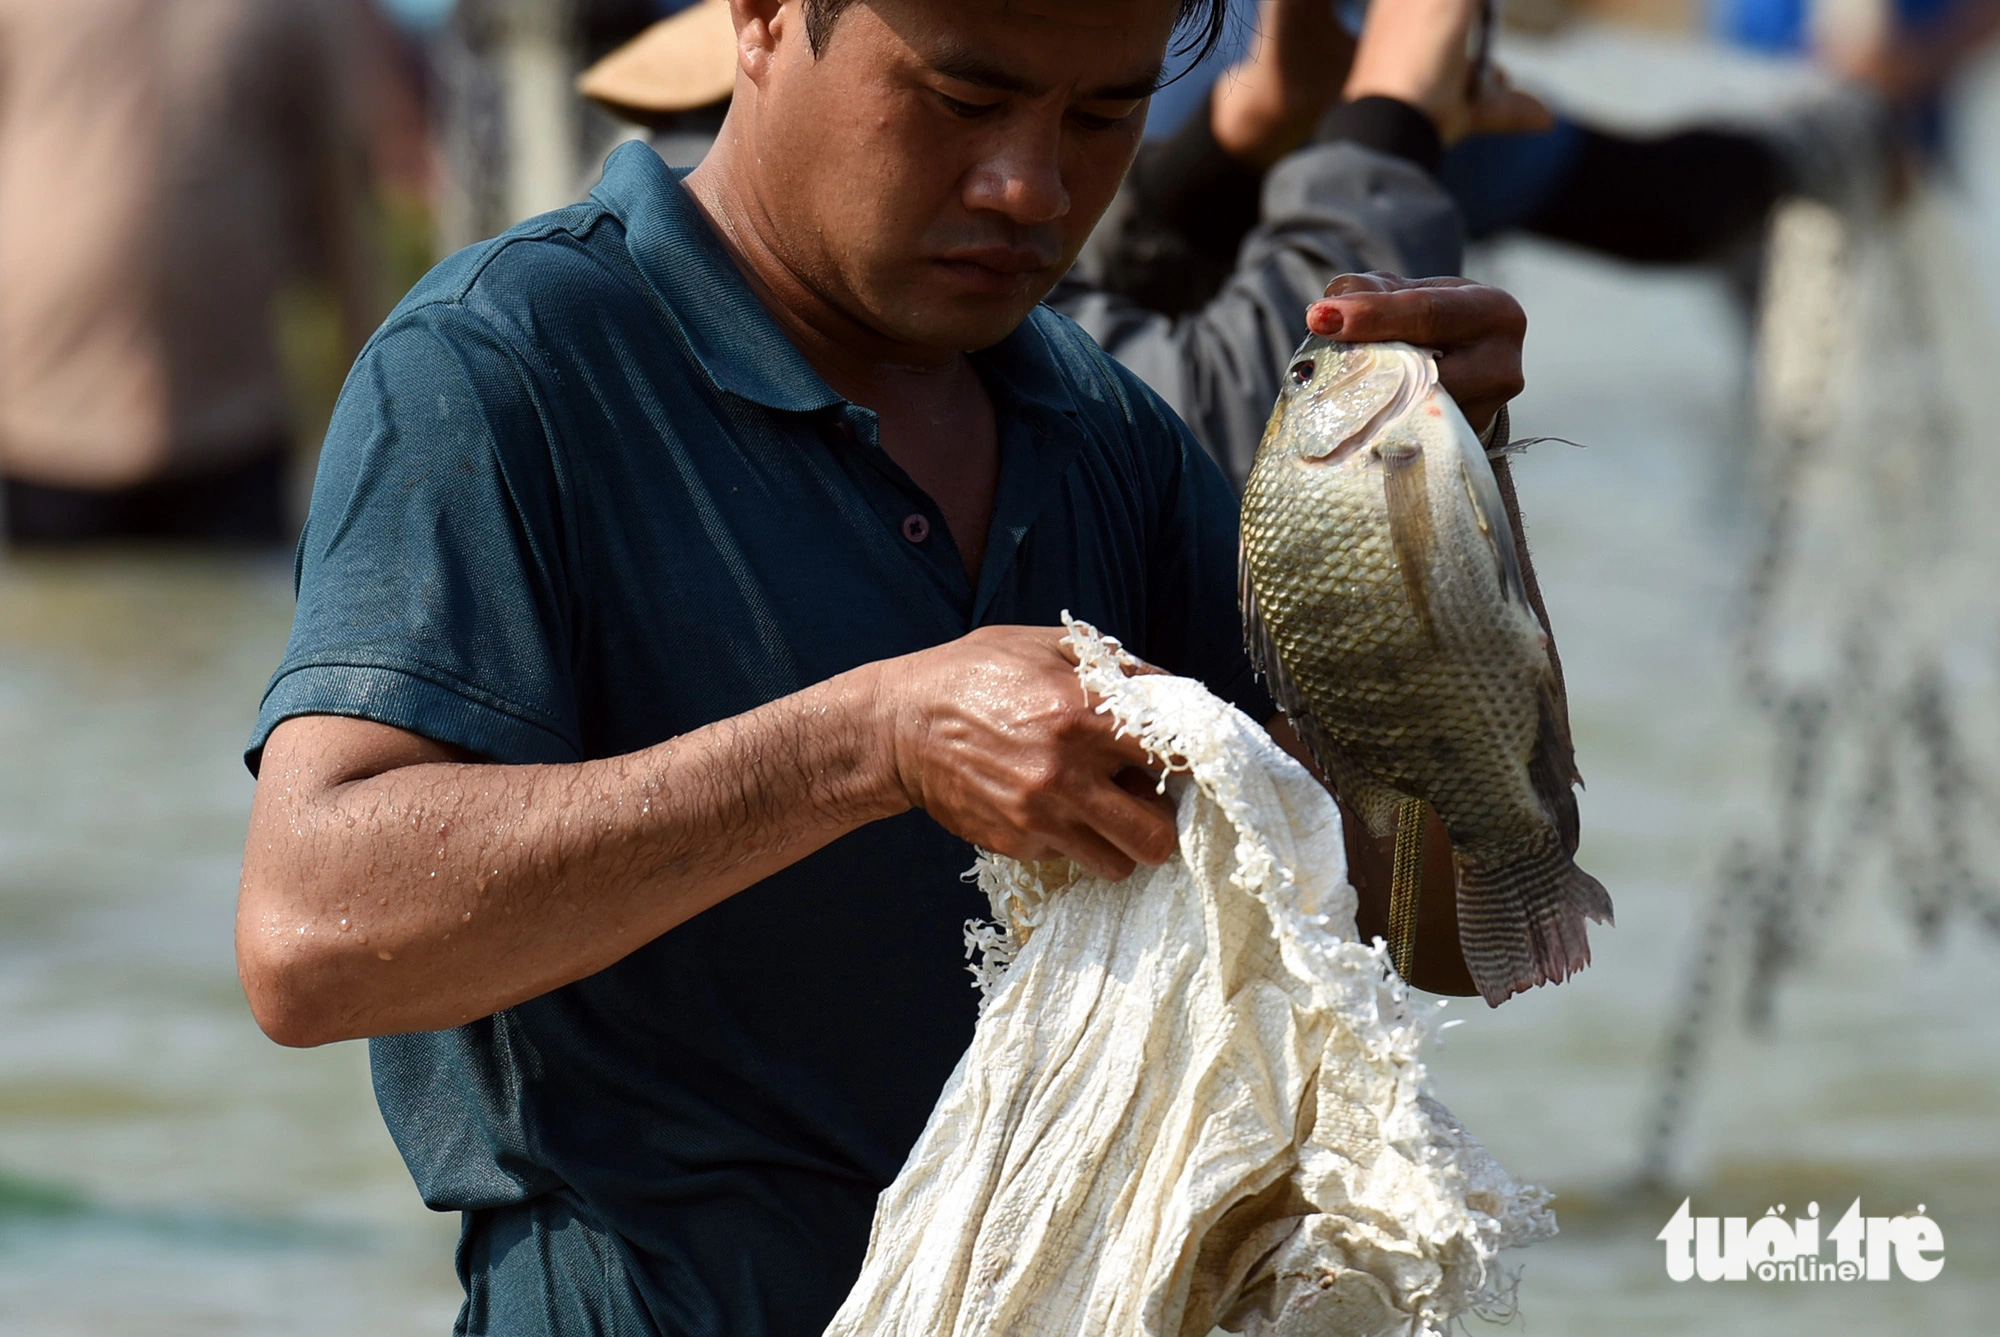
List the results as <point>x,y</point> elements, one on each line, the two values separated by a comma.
<point>1520,916</point>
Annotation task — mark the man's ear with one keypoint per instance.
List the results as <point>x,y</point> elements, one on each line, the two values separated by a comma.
<point>760,26</point>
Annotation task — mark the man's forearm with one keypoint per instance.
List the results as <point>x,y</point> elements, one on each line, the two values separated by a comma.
<point>430,892</point>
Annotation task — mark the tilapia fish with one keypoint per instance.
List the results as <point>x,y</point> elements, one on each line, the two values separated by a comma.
<point>1383,602</point>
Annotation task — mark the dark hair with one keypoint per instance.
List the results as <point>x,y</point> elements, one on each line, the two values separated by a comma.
<point>1202,19</point>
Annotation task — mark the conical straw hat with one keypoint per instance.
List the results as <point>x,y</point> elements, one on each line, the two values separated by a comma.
<point>678,64</point>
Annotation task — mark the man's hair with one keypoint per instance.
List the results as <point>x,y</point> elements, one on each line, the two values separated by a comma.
<point>1201,20</point>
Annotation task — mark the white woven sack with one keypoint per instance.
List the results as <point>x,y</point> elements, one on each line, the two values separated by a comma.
<point>1193,1099</point>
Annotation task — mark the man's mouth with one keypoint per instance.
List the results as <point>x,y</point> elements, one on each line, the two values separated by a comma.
<point>996,269</point>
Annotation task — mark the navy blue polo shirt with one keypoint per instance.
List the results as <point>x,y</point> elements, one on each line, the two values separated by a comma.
<point>582,495</point>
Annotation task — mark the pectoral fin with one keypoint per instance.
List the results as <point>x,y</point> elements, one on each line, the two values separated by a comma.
<point>1410,528</point>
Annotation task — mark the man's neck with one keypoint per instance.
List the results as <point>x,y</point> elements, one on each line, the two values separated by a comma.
<point>857,361</point>
<point>935,418</point>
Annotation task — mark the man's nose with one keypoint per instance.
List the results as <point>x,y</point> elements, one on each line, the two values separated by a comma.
<point>1021,176</point>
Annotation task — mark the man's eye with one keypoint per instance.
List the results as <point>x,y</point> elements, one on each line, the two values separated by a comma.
<point>968,110</point>
<point>1090,120</point>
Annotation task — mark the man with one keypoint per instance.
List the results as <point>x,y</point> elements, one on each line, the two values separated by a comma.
<point>675,607</point>
<point>165,168</point>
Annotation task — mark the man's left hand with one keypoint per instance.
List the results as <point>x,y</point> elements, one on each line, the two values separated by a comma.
<point>1477,331</point>
<point>1419,52</point>
<point>1267,105</point>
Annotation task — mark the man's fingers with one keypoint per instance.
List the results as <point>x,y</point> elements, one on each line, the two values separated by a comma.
<point>1054,775</point>
<point>1480,379</point>
<point>1380,280</point>
<point>1330,317</point>
<point>1433,315</point>
<point>1140,827</point>
<point>1372,282</point>
<point>1077,843</point>
<point>1108,823</point>
<point>1478,330</point>
<point>1096,855</point>
<point>1502,110</point>
<point>1113,751</point>
<point>1139,782</point>
<point>1481,371</point>
<point>1067,649</point>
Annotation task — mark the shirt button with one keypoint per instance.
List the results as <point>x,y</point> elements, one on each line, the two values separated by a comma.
<point>844,429</point>
<point>916,528</point>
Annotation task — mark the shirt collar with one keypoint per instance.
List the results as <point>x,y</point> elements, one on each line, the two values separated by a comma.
<point>1027,370</point>
<point>732,335</point>
<point>739,345</point>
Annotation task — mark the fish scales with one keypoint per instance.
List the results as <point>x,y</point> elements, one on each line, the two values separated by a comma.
<point>1384,603</point>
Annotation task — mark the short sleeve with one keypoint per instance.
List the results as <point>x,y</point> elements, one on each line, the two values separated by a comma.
<point>1194,625</point>
<point>432,590</point>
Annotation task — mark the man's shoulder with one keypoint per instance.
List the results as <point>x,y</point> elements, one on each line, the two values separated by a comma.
<point>554,262</point>
<point>478,359</point>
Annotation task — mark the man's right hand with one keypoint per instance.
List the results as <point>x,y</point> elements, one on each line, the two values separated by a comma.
<point>391,883</point>
<point>1416,51</point>
<point>992,735</point>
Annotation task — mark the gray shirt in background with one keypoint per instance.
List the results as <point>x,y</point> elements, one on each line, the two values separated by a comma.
<point>1328,209</point>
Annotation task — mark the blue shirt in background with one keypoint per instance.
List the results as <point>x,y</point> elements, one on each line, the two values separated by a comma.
<point>580,496</point>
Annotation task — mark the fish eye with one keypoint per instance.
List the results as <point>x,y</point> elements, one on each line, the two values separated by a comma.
<point>1302,371</point>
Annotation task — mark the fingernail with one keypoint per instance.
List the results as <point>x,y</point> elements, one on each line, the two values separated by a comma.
<point>1324,319</point>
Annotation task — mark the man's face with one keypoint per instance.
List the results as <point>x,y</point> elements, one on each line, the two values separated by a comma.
<point>937,168</point>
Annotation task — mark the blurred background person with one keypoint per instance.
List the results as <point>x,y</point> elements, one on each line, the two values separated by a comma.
<point>514,137</point>
<point>1689,195</point>
<point>1905,51</point>
<point>166,167</point>
<point>1314,155</point>
<point>674,80</point>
